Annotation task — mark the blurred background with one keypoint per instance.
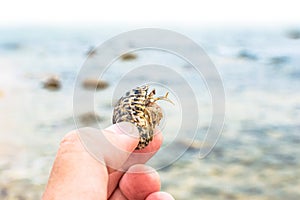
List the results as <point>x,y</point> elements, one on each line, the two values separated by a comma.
<point>254,45</point>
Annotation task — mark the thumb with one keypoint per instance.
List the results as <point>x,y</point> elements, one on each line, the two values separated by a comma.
<point>76,174</point>
<point>111,146</point>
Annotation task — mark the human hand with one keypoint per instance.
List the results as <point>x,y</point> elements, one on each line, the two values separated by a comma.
<point>92,164</point>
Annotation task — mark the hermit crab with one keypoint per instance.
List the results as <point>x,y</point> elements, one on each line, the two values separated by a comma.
<point>138,106</point>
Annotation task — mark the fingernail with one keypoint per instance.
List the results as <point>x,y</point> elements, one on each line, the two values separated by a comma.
<point>125,128</point>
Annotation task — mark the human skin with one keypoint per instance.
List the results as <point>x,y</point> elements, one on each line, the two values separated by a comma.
<point>110,168</point>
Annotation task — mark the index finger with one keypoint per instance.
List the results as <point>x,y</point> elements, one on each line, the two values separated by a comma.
<point>137,157</point>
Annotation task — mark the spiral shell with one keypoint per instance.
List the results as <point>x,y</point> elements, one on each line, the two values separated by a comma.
<point>138,106</point>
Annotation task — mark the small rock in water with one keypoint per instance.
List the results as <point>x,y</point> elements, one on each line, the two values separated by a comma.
<point>189,145</point>
<point>92,84</point>
<point>11,46</point>
<point>295,74</point>
<point>244,54</point>
<point>279,60</point>
<point>89,118</point>
<point>293,34</point>
<point>52,83</point>
<point>91,51</point>
<point>128,56</point>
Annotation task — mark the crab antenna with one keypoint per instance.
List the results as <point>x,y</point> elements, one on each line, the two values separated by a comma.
<point>165,98</point>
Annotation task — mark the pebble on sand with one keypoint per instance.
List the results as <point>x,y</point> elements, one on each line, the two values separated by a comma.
<point>52,83</point>
<point>128,56</point>
<point>92,84</point>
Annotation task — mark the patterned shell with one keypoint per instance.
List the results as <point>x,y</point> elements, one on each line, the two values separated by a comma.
<point>138,107</point>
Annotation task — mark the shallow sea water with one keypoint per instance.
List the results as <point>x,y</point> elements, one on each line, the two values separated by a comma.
<point>256,157</point>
